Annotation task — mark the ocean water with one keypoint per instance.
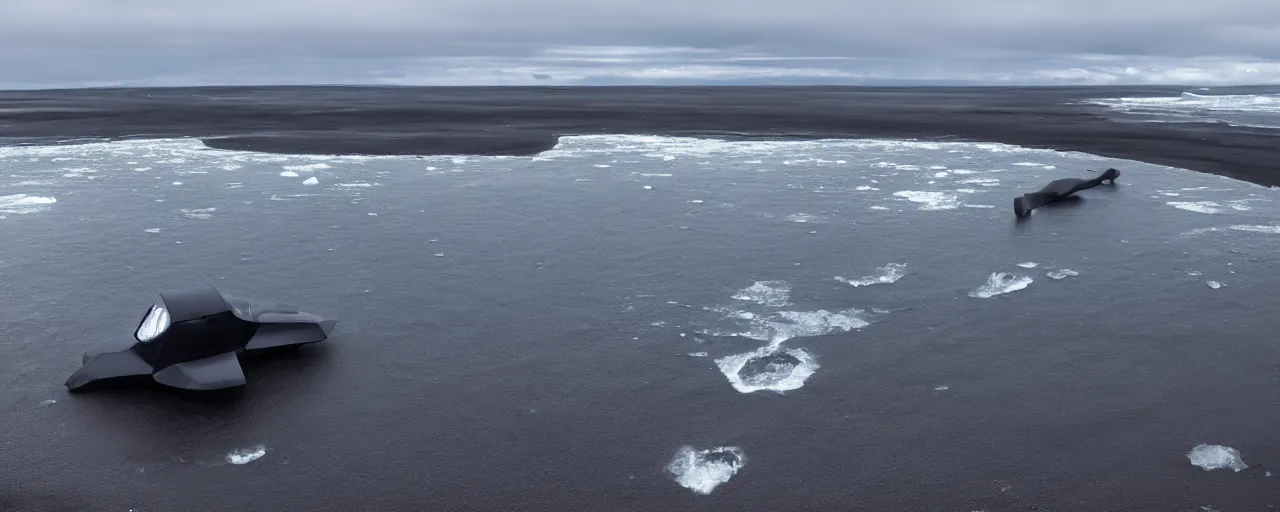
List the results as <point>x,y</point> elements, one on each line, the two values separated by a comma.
<point>630,322</point>
<point>1202,106</point>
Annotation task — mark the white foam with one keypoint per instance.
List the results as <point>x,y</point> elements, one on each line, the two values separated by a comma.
<point>47,403</point>
<point>1208,207</point>
<point>198,213</point>
<point>930,200</point>
<point>696,201</point>
<point>889,274</point>
<point>1210,457</point>
<point>246,455</point>
<point>310,181</point>
<point>779,369</point>
<point>1061,273</point>
<point>289,174</point>
<point>656,174</point>
<point>877,208</point>
<point>152,230</point>
<point>648,187</point>
<point>22,203</point>
<point>985,182</point>
<point>697,354</point>
<point>359,184</point>
<point>1275,230</point>
<point>307,167</point>
<point>603,166</point>
<point>1029,264</point>
<point>865,187</point>
<point>1000,283</point>
<point>701,471</point>
<point>767,293</point>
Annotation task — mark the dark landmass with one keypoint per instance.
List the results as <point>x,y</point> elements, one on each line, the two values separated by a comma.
<point>527,120</point>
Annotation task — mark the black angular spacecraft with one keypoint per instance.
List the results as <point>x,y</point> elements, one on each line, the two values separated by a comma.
<point>191,339</point>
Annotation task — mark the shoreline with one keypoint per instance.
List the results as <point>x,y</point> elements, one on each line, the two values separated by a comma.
<point>526,121</point>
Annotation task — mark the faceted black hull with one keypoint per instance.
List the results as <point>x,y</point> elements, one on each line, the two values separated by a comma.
<point>199,346</point>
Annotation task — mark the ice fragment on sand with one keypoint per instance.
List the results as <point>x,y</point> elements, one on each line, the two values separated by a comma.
<point>889,274</point>
<point>1061,273</point>
<point>1212,456</point>
<point>1000,283</point>
<point>701,471</point>
<point>246,455</point>
<point>768,293</point>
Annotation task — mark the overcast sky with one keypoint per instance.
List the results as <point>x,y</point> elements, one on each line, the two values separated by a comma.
<point>70,43</point>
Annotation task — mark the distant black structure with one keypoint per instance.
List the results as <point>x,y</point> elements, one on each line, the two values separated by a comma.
<point>191,339</point>
<point>1058,190</point>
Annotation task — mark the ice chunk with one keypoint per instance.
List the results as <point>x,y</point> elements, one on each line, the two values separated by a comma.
<point>1029,264</point>
<point>1000,283</point>
<point>768,368</point>
<point>930,200</point>
<point>701,471</point>
<point>289,174</point>
<point>1061,273</point>
<point>1212,456</point>
<point>888,274</point>
<point>767,293</point>
<point>310,181</point>
<point>246,455</point>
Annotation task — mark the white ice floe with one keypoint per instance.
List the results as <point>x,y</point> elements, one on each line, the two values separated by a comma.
<point>1214,284</point>
<point>697,354</point>
<point>1028,264</point>
<point>701,471</point>
<point>768,368</point>
<point>1207,207</point>
<point>152,230</point>
<point>888,274</point>
<point>767,293</point>
<point>866,187</point>
<point>198,213</point>
<point>22,203</point>
<point>289,174</point>
<point>1275,230</point>
<point>1000,283</point>
<point>1210,457</point>
<point>306,168</point>
<point>786,325</point>
<point>802,218</point>
<point>930,200</point>
<point>246,455</point>
<point>1061,273</point>
<point>311,181</point>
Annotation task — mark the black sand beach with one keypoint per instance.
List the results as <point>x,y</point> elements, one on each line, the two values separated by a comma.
<point>526,120</point>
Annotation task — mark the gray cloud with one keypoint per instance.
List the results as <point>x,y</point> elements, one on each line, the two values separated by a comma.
<point>76,42</point>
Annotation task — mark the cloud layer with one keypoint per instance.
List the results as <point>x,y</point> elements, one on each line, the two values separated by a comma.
<point>178,42</point>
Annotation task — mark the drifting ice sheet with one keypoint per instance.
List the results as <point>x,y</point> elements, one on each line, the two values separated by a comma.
<point>1000,283</point>
<point>1212,456</point>
<point>701,471</point>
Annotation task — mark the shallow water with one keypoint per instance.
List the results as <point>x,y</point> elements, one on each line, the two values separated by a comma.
<point>516,330</point>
